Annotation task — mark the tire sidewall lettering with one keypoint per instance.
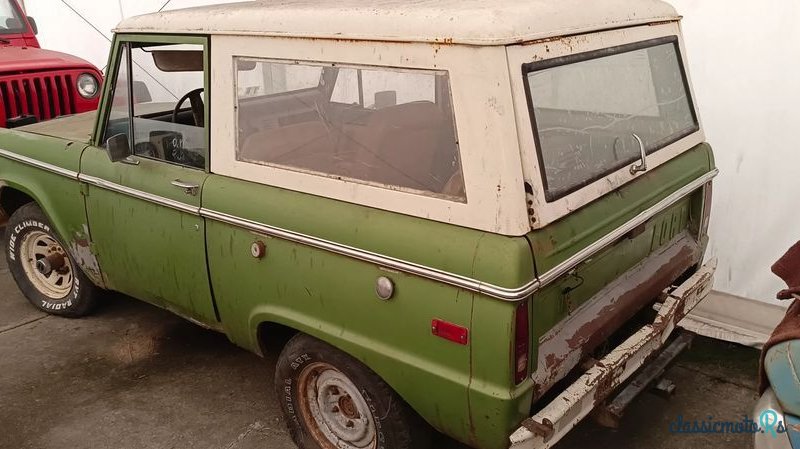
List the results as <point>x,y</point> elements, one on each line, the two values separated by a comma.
<point>290,397</point>
<point>12,244</point>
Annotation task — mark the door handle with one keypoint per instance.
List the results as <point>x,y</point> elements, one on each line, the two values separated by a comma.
<point>642,165</point>
<point>188,187</point>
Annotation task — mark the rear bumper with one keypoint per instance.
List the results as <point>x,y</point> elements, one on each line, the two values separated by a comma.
<point>549,425</point>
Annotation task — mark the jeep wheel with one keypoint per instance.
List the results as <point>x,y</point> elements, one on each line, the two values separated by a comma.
<point>332,401</point>
<point>42,267</point>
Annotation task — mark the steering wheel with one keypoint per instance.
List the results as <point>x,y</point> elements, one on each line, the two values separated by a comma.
<point>198,109</point>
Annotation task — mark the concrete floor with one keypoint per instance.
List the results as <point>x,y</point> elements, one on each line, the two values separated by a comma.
<point>134,376</point>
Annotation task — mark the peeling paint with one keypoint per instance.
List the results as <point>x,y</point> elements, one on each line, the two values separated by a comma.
<point>563,347</point>
<point>81,250</point>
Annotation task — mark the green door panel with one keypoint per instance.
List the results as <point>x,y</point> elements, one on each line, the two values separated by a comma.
<point>332,296</point>
<point>151,251</point>
<point>58,194</point>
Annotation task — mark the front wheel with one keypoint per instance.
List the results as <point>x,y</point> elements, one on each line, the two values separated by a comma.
<point>332,401</point>
<point>43,269</point>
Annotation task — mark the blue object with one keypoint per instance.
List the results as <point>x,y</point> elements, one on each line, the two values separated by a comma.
<point>782,364</point>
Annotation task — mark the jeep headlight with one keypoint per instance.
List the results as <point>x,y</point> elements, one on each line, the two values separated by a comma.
<point>87,85</point>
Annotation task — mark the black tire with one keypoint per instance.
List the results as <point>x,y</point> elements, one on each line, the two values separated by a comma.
<point>395,425</point>
<point>76,296</point>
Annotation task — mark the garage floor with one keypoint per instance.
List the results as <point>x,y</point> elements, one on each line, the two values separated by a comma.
<point>134,376</point>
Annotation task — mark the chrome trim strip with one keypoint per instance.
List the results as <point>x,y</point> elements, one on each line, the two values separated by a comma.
<point>474,285</point>
<point>509,294</point>
<point>39,164</point>
<point>155,199</point>
<point>607,240</point>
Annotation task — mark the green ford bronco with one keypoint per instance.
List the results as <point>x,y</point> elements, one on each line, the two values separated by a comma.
<point>479,218</point>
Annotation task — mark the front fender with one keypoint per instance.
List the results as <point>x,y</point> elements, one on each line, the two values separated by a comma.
<point>46,169</point>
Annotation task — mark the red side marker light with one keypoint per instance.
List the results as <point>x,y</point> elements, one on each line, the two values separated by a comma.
<point>450,331</point>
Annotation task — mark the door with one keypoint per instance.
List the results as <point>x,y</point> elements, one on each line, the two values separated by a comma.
<point>144,211</point>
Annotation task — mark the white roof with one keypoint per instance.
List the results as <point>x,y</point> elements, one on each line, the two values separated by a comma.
<point>473,22</point>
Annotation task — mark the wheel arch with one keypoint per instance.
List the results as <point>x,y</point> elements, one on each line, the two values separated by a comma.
<point>70,225</point>
<point>395,368</point>
<point>12,198</point>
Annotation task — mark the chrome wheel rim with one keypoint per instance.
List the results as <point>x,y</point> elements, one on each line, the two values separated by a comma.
<point>338,415</point>
<point>46,265</point>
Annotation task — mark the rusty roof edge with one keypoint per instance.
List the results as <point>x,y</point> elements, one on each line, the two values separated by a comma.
<point>468,41</point>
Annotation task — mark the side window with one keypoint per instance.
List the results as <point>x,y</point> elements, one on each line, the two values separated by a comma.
<point>387,127</point>
<point>166,118</point>
<point>118,121</point>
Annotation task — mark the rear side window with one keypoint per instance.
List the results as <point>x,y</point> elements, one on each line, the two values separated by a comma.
<point>586,109</point>
<point>387,127</point>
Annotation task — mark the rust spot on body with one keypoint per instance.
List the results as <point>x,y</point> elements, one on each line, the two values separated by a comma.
<point>564,347</point>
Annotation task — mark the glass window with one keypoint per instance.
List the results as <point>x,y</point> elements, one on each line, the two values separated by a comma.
<point>168,108</point>
<point>10,19</point>
<point>118,121</point>
<point>587,108</point>
<point>388,127</point>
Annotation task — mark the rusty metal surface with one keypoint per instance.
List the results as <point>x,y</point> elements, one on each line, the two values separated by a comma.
<point>467,22</point>
<point>566,345</point>
<point>580,398</point>
<point>609,414</point>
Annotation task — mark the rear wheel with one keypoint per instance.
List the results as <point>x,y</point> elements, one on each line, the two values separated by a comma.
<point>332,401</point>
<point>42,267</point>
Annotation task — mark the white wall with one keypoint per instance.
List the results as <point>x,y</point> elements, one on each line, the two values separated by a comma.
<point>745,73</point>
<point>744,65</point>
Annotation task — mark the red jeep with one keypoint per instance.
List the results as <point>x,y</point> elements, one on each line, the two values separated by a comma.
<point>37,84</point>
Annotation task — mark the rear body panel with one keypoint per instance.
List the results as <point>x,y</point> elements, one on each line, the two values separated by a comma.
<point>332,296</point>
<point>573,313</point>
<point>566,328</point>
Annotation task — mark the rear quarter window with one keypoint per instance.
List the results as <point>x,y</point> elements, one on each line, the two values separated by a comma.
<point>392,128</point>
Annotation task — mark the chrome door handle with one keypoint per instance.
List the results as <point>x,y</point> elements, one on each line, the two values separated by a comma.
<point>642,164</point>
<point>188,187</point>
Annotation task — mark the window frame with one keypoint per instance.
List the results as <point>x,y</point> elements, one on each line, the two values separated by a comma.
<point>542,213</point>
<point>329,93</point>
<point>122,42</point>
<point>536,66</point>
<point>482,105</point>
<point>20,15</point>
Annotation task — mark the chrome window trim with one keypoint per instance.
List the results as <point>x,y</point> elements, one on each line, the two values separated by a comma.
<point>456,280</point>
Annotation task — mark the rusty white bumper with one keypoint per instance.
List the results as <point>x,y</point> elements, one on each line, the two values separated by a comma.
<point>548,426</point>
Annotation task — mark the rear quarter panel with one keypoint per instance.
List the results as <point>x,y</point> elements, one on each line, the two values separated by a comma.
<point>332,296</point>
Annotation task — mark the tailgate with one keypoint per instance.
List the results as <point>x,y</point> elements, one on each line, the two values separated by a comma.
<point>603,263</point>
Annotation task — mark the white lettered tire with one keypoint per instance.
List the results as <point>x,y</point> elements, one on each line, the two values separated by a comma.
<point>42,267</point>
